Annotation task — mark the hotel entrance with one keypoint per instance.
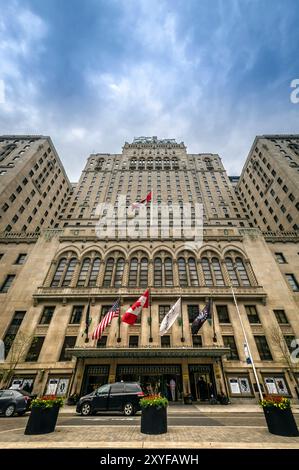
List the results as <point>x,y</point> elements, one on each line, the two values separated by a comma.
<point>164,379</point>
<point>202,382</point>
<point>94,377</point>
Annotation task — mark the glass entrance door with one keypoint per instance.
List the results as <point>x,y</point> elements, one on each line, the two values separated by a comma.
<point>202,382</point>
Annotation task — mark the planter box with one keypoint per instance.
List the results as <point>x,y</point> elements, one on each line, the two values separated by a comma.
<point>42,420</point>
<point>281,422</point>
<point>154,420</point>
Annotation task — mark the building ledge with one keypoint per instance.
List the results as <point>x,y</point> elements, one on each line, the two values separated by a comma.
<point>149,352</point>
<point>157,293</point>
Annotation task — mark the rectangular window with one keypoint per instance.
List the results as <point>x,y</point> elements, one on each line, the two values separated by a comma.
<point>197,341</point>
<point>47,315</point>
<point>7,283</point>
<point>252,314</point>
<point>21,258</point>
<point>240,385</point>
<point>193,312</point>
<point>165,341</point>
<point>13,330</point>
<point>133,341</point>
<point>69,342</point>
<point>163,310</point>
<point>288,340</point>
<point>292,282</point>
<point>229,341</point>
<point>281,316</point>
<point>102,342</point>
<point>35,349</point>
<point>222,312</point>
<point>263,348</point>
<point>280,258</point>
<point>276,385</point>
<point>76,315</point>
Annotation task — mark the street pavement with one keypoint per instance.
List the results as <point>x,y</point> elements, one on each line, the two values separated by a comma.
<point>194,426</point>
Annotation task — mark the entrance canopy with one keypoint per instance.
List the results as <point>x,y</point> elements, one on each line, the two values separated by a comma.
<point>213,351</point>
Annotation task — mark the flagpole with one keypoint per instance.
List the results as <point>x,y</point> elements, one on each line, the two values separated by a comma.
<point>150,311</point>
<point>119,319</point>
<point>182,322</point>
<point>248,348</point>
<point>87,321</point>
<point>213,322</point>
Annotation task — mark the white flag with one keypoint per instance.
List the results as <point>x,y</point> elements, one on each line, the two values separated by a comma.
<point>170,317</point>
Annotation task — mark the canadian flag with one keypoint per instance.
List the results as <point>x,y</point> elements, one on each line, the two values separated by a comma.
<point>130,316</point>
<point>146,200</point>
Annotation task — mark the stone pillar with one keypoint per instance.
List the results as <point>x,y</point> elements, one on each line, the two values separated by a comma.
<point>150,273</point>
<point>112,371</point>
<point>125,279</point>
<point>176,279</point>
<point>185,377</point>
<point>101,274</point>
<point>200,274</point>
<point>50,274</point>
<point>225,273</point>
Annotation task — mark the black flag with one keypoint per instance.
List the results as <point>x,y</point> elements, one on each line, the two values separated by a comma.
<point>87,320</point>
<point>201,317</point>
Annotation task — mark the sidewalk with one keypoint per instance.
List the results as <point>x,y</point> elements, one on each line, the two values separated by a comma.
<point>128,437</point>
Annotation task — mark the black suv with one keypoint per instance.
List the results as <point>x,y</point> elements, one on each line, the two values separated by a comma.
<point>120,396</point>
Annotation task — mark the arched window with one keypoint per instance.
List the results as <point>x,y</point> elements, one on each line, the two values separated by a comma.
<point>83,272</point>
<point>231,272</point>
<point>58,273</point>
<point>119,270</point>
<point>143,276</point>
<point>108,272</point>
<point>158,272</point>
<point>193,272</point>
<point>242,272</point>
<point>133,272</point>
<point>217,272</point>
<point>94,272</point>
<point>207,272</point>
<point>182,272</point>
<point>168,272</point>
<point>69,272</point>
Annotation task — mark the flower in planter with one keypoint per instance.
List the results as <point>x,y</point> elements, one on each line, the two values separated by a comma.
<point>154,401</point>
<point>47,401</point>
<point>276,401</point>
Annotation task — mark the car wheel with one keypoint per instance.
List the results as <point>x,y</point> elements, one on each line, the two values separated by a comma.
<point>21,413</point>
<point>10,411</point>
<point>85,409</point>
<point>128,409</point>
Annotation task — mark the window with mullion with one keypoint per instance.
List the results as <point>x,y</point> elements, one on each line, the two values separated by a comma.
<point>229,341</point>
<point>158,272</point>
<point>35,349</point>
<point>94,272</point>
<point>193,275</point>
<point>252,314</point>
<point>168,271</point>
<point>47,316</point>
<point>281,316</point>
<point>108,272</point>
<point>143,275</point>
<point>288,340</point>
<point>182,272</point>
<point>119,270</point>
<point>58,273</point>
<point>83,272</point>
<point>217,272</point>
<point>163,310</point>
<point>133,272</point>
<point>69,272</point>
<point>207,272</point>
<point>263,348</point>
<point>231,272</point>
<point>242,272</point>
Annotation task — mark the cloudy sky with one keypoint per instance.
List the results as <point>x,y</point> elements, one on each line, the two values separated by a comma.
<point>93,74</point>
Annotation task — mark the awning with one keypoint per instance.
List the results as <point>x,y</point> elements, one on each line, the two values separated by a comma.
<point>140,353</point>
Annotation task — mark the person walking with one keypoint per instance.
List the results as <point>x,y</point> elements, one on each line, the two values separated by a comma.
<point>172,386</point>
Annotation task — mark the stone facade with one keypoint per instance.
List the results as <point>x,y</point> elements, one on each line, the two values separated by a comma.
<point>68,266</point>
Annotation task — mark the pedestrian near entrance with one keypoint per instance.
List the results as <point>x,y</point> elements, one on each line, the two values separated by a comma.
<point>172,386</point>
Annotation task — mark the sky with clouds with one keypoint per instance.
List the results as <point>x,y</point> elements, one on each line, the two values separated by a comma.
<point>93,74</point>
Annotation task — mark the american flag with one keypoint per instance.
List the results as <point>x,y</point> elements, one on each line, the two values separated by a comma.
<point>112,313</point>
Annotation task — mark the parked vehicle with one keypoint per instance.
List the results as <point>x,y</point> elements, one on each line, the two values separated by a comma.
<point>12,401</point>
<point>28,396</point>
<point>119,396</point>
